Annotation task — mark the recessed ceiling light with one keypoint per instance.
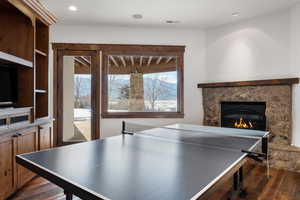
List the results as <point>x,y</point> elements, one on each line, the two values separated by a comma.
<point>72,8</point>
<point>235,14</point>
<point>137,16</point>
<point>172,22</point>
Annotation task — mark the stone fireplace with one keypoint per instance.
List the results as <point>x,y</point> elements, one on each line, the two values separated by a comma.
<point>266,105</point>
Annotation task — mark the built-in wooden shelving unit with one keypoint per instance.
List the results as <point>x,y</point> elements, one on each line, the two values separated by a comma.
<point>24,45</point>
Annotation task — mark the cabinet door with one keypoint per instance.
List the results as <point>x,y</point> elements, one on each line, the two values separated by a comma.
<point>27,142</point>
<point>6,166</point>
<point>45,137</point>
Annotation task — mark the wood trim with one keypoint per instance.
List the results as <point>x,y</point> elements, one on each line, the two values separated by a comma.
<point>58,92</point>
<point>95,98</point>
<point>55,96</point>
<point>104,92</point>
<point>58,104</point>
<point>15,152</point>
<point>42,12</point>
<point>180,91</point>
<point>98,91</point>
<point>288,81</point>
<point>121,48</point>
<point>143,115</point>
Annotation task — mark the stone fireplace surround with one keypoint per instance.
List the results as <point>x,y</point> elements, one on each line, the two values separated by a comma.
<point>278,97</point>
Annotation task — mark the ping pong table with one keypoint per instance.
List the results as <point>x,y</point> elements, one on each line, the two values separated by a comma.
<point>175,162</point>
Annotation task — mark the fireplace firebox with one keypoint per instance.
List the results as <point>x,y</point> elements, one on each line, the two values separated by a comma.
<point>243,115</point>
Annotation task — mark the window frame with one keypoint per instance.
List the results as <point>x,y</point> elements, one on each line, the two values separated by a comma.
<point>144,50</point>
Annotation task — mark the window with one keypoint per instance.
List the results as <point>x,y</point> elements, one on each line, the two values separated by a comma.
<point>143,85</point>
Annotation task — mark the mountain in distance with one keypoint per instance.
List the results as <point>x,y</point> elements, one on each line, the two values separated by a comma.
<point>169,89</point>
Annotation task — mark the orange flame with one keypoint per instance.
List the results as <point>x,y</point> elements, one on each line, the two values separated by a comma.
<point>243,124</point>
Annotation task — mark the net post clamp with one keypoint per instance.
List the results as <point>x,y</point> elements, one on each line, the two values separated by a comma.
<point>256,156</point>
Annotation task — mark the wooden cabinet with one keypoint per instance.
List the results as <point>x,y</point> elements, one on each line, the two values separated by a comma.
<point>26,142</point>
<point>45,137</point>
<point>7,151</point>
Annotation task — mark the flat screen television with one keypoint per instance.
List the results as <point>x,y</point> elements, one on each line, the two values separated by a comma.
<point>8,86</point>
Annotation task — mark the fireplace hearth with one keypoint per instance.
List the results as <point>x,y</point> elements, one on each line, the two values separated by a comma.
<point>243,115</point>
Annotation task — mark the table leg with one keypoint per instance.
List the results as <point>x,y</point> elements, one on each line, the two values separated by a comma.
<point>69,196</point>
<point>236,181</point>
<point>242,190</point>
<point>238,185</point>
<point>241,178</point>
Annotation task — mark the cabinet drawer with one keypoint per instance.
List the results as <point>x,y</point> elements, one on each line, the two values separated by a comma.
<point>18,119</point>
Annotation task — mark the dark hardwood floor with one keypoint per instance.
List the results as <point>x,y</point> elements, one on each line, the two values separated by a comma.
<point>282,185</point>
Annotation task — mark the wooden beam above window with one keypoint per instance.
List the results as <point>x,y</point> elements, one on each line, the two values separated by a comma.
<point>143,64</point>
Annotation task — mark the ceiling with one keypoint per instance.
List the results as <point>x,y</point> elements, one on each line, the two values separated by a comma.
<point>190,13</point>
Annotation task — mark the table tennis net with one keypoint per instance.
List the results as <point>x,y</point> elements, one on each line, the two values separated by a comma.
<point>198,135</point>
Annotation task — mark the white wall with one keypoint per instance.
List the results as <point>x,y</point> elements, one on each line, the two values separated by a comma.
<point>254,49</point>
<point>194,62</point>
<point>295,69</point>
<point>266,47</point>
<point>68,81</point>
